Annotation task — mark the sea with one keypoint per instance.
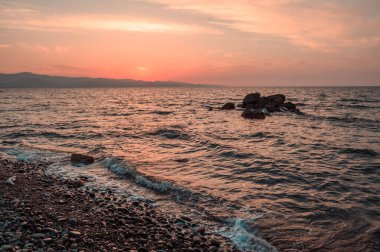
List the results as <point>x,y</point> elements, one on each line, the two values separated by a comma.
<point>290,182</point>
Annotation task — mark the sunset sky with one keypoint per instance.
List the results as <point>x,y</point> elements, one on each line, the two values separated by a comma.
<point>239,42</point>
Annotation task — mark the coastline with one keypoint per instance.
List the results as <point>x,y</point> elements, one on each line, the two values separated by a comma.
<point>42,212</point>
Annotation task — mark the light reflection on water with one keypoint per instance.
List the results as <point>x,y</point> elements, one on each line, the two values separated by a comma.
<point>314,177</point>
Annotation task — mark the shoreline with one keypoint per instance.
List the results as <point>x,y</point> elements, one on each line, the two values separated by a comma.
<point>45,213</point>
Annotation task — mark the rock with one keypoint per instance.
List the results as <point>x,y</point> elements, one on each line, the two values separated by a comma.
<point>228,106</point>
<point>201,230</point>
<point>6,247</point>
<point>215,243</point>
<point>74,233</point>
<point>11,180</point>
<point>77,183</point>
<point>185,218</point>
<point>72,221</point>
<point>81,159</point>
<point>251,99</point>
<point>289,105</point>
<point>253,114</point>
<point>38,235</point>
<point>276,100</point>
<point>271,108</point>
<point>252,106</point>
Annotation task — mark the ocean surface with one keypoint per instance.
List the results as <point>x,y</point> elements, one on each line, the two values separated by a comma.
<point>303,182</point>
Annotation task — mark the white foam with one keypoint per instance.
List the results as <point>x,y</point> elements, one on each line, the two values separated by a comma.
<point>247,238</point>
<point>121,167</point>
<point>31,155</point>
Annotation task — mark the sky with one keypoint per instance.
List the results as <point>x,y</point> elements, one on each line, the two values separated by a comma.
<point>237,43</point>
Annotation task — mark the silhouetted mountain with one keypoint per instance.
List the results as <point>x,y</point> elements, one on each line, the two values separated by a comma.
<point>31,80</point>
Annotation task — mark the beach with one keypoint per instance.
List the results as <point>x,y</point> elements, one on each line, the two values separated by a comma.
<point>45,213</point>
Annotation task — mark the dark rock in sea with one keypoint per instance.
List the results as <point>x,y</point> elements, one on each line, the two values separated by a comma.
<point>81,159</point>
<point>228,106</point>
<point>251,99</point>
<point>271,108</point>
<point>253,114</point>
<point>275,100</point>
<point>252,106</point>
<point>289,105</point>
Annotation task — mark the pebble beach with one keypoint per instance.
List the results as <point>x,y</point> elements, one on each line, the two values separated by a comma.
<point>45,213</point>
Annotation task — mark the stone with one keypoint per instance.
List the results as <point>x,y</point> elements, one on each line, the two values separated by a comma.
<point>215,242</point>
<point>228,106</point>
<point>271,108</point>
<point>77,183</point>
<point>74,233</point>
<point>251,99</point>
<point>81,159</point>
<point>38,235</point>
<point>6,247</point>
<point>276,100</point>
<point>289,105</point>
<point>72,221</point>
<point>253,114</point>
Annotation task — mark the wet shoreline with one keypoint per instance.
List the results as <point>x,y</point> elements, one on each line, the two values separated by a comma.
<point>41,212</point>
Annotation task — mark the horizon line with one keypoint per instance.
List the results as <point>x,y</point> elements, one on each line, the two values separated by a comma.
<point>191,83</point>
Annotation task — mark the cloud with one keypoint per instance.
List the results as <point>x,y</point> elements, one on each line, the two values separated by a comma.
<point>4,46</point>
<point>58,49</point>
<point>38,20</point>
<point>321,25</point>
<point>318,25</point>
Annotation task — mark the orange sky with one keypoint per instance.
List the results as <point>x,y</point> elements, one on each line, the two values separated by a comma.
<point>240,42</point>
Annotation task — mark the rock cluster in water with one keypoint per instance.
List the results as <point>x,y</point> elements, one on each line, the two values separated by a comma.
<point>258,107</point>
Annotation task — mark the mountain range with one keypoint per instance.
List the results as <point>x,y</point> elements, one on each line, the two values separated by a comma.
<point>31,80</point>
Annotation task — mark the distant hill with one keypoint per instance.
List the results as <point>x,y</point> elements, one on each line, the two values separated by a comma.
<point>31,80</point>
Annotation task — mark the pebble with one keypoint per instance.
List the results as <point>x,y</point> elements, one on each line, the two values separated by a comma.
<point>74,233</point>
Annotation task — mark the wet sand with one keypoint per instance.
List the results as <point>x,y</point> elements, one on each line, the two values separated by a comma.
<point>45,213</point>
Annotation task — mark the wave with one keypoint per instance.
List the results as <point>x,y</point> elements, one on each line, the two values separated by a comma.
<point>246,237</point>
<point>170,134</point>
<point>358,100</point>
<point>356,106</point>
<point>239,231</point>
<point>116,114</point>
<point>162,112</point>
<point>347,118</point>
<point>236,229</point>
<point>257,135</point>
<point>14,135</point>
<point>33,155</point>
<point>235,155</point>
<point>362,152</point>
<point>8,126</point>
<point>122,168</point>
